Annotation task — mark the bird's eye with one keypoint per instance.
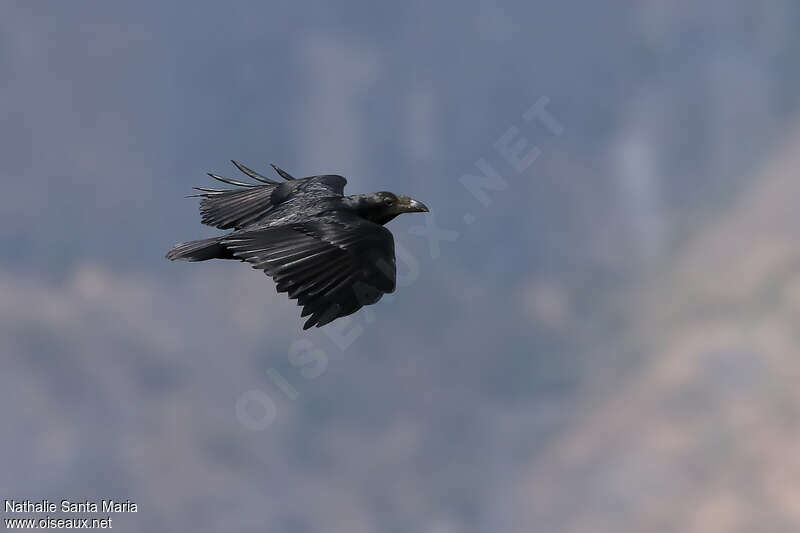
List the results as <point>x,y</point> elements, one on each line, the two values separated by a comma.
<point>388,201</point>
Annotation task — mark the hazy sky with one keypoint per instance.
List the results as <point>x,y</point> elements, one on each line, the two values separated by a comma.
<point>437,409</point>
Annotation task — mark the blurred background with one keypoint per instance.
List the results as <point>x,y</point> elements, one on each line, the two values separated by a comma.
<point>602,339</point>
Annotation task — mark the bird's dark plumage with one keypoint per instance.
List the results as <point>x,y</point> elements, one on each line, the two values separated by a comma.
<point>329,251</point>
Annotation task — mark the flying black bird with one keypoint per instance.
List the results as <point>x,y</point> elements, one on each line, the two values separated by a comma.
<point>329,251</point>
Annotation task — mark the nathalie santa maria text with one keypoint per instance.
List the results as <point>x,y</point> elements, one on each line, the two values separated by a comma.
<point>67,506</point>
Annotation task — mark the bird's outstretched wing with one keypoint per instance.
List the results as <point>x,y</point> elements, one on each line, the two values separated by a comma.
<point>250,202</point>
<point>332,268</point>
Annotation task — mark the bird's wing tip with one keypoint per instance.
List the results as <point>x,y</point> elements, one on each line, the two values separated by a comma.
<point>282,173</point>
<point>252,173</point>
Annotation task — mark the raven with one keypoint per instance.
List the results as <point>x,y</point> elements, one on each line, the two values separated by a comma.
<point>327,250</point>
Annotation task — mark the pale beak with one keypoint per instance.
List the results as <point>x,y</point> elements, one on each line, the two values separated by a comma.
<point>409,205</point>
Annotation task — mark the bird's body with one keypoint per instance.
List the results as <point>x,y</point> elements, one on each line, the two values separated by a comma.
<point>327,250</point>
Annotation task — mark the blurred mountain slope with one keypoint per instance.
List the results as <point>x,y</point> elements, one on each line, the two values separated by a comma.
<point>703,437</point>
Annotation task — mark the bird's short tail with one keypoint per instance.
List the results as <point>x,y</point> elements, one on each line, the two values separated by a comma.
<point>201,250</point>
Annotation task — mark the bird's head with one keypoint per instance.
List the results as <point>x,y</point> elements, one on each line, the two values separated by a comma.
<point>381,207</point>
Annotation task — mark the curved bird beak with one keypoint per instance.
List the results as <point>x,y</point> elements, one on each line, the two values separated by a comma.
<point>409,205</point>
